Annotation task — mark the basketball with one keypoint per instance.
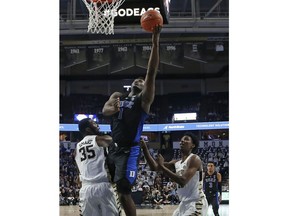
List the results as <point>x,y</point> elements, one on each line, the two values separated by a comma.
<point>150,19</point>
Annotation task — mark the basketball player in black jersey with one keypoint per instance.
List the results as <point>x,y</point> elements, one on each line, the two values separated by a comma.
<point>128,114</point>
<point>212,186</point>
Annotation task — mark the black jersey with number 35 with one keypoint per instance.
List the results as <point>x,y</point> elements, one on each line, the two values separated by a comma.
<point>127,124</point>
<point>210,184</point>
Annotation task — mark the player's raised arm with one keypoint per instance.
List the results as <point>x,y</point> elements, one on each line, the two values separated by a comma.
<point>219,179</point>
<point>104,141</point>
<point>194,164</point>
<point>150,160</point>
<point>112,105</point>
<point>148,91</point>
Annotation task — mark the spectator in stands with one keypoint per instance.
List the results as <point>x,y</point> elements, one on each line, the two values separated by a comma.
<point>147,197</point>
<point>173,194</point>
<point>226,167</point>
<point>70,196</point>
<point>157,200</point>
<point>158,182</point>
<point>169,183</point>
<point>166,195</point>
<point>151,180</point>
<point>63,137</point>
<point>139,186</point>
<point>61,198</point>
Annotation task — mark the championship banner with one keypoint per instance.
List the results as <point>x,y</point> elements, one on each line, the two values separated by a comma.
<point>98,56</point>
<point>195,51</point>
<point>122,57</point>
<point>172,54</point>
<point>74,55</point>
<point>143,52</point>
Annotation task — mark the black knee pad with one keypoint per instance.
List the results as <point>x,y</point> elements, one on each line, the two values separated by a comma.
<point>123,186</point>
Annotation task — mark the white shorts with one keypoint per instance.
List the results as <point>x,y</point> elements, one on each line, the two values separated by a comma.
<point>99,199</point>
<point>188,208</point>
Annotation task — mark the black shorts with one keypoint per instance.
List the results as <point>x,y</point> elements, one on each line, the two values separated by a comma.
<point>123,166</point>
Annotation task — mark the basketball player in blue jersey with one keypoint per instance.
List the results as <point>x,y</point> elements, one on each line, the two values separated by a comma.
<point>187,173</point>
<point>128,114</point>
<point>212,186</point>
<point>97,196</point>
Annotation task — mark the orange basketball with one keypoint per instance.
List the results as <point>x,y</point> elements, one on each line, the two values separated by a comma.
<point>150,19</point>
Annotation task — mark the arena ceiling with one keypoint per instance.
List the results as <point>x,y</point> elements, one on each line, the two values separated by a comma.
<point>190,48</point>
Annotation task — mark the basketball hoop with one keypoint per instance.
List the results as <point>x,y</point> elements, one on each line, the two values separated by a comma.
<point>101,15</point>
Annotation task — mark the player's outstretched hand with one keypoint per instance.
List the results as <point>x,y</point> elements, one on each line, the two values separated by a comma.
<point>157,29</point>
<point>143,143</point>
<point>117,104</point>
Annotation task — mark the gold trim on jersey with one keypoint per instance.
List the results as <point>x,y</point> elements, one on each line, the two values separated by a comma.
<point>115,193</point>
<point>199,206</point>
<point>199,203</point>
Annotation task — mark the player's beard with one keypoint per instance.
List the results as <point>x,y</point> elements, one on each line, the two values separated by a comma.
<point>97,132</point>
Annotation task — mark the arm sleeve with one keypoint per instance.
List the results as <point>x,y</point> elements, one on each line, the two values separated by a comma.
<point>220,187</point>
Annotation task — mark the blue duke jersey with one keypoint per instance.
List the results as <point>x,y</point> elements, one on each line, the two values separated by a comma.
<point>211,184</point>
<point>127,124</point>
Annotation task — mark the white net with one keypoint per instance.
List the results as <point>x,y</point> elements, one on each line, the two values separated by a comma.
<point>101,15</point>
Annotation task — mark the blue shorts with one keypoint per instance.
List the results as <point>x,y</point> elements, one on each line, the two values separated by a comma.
<point>123,166</point>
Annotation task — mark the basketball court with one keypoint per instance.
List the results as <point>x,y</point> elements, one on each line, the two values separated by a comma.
<point>166,211</point>
<point>111,38</point>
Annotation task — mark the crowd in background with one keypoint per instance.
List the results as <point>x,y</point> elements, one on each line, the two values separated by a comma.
<point>156,189</point>
<point>68,187</point>
<point>210,107</point>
